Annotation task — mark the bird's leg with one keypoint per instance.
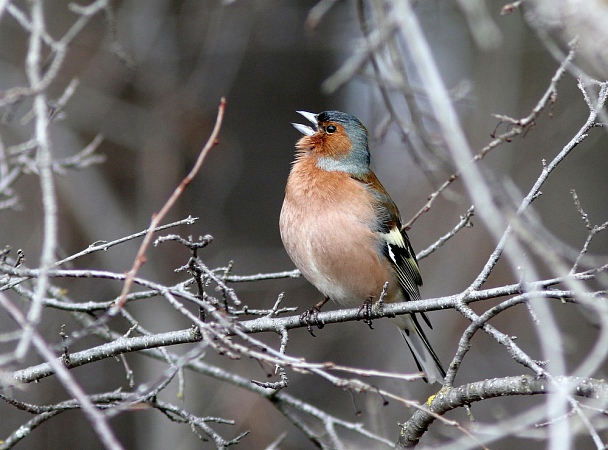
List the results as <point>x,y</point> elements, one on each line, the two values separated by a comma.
<point>365,312</point>
<point>312,315</point>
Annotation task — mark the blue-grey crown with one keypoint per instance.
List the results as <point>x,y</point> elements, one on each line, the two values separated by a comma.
<point>357,161</point>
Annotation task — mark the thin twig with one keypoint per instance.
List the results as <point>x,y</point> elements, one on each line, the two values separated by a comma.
<point>140,257</point>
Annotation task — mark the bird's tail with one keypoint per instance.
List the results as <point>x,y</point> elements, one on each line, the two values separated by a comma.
<point>425,357</point>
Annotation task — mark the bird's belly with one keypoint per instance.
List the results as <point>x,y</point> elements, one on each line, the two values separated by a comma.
<point>322,246</point>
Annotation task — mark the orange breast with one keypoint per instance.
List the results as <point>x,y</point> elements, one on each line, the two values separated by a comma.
<point>327,226</point>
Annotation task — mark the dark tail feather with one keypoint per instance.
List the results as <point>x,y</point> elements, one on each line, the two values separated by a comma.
<point>425,357</point>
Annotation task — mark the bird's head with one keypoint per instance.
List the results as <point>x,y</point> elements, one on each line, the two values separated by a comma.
<point>338,141</point>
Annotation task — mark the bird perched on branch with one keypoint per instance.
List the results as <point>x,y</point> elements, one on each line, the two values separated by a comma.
<point>343,231</point>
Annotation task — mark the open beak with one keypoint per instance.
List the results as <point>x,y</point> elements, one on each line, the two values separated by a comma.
<point>305,129</point>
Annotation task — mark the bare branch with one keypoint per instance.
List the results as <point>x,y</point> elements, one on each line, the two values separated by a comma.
<point>140,257</point>
<point>447,400</point>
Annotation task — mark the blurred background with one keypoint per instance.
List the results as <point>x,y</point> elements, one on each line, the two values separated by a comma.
<point>150,81</point>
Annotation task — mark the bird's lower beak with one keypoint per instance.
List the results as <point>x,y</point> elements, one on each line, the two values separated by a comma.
<point>305,129</point>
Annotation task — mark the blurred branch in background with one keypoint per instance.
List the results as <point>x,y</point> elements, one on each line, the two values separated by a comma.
<point>108,118</point>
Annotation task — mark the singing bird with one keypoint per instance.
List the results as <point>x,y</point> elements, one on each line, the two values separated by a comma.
<point>343,231</point>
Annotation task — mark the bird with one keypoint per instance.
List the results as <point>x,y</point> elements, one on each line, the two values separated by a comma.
<point>343,231</point>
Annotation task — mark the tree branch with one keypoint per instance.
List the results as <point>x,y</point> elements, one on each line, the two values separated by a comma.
<point>449,399</point>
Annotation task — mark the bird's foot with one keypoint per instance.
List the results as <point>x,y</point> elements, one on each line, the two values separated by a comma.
<point>365,313</point>
<point>311,317</point>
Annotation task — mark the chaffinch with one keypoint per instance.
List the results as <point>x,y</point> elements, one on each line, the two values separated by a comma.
<point>343,231</point>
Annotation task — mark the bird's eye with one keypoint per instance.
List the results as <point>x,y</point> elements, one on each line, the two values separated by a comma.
<point>329,129</point>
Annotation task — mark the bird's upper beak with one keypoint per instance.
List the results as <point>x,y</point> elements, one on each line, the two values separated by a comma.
<point>305,129</point>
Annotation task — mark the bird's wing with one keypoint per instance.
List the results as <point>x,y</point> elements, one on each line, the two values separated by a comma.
<point>396,245</point>
<point>398,249</point>
<point>401,255</point>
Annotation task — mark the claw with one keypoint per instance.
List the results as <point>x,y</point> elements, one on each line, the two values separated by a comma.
<point>310,318</point>
<point>365,313</point>
<point>312,315</point>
